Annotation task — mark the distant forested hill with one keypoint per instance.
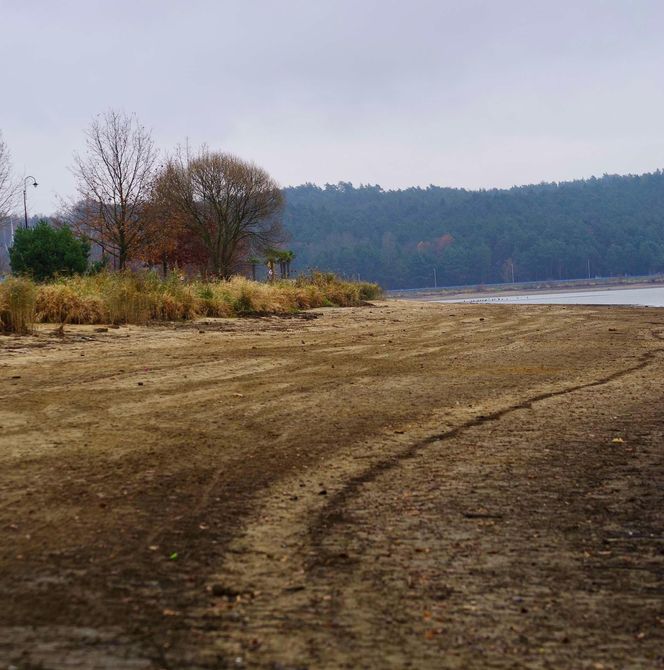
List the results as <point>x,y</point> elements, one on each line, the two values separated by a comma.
<point>608,226</point>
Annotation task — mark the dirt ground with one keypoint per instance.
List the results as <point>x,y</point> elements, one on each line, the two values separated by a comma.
<point>403,485</point>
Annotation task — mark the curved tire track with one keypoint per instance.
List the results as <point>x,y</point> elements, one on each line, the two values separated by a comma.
<point>330,515</point>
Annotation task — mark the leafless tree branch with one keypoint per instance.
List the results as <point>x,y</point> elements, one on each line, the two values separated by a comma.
<point>8,187</point>
<point>115,178</point>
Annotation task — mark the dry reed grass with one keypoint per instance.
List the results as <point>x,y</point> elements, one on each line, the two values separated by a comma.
<point>142,297</point>
<point>17,305</point>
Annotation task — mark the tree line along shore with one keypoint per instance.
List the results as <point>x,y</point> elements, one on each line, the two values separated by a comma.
<point>209,213</point>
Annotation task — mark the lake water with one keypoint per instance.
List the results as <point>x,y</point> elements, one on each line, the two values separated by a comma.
<point>646,297</point>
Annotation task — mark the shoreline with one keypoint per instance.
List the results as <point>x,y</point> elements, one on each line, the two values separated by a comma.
<point>433,295</point>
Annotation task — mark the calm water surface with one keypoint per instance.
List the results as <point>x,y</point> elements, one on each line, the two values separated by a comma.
<point>646,297</point>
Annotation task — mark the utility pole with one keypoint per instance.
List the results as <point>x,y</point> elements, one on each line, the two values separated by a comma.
<point>435,279</point>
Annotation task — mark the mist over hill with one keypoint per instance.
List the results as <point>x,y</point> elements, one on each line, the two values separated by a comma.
<point>613,225</point>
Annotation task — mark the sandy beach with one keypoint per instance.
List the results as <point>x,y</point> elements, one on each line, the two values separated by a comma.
<point>401,485</point>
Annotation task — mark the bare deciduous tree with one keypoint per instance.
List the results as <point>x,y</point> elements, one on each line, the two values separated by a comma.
<point>115,178</point>
<point>233,207</point>
<point>8,187</point>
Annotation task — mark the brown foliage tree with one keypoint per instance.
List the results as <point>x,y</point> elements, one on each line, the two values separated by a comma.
<point>114,181</point>
<point>169,243</point>
<point>230,206</point>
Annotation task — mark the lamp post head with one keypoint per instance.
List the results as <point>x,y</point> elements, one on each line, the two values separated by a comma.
<point>35,184</point>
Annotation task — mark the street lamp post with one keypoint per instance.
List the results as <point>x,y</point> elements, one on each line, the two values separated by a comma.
<point>25,196</point>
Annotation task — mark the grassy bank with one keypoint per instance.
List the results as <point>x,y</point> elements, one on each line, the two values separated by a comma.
<point>143,297</point>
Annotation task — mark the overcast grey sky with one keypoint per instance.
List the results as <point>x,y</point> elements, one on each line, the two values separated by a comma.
<point>473,93</point>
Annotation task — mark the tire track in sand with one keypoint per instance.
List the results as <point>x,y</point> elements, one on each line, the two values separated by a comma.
<point>271,566</point>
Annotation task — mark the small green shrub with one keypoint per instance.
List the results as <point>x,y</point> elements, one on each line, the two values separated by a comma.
<point>243,304</point>
<point>44,252</point>
<point>369,291</point>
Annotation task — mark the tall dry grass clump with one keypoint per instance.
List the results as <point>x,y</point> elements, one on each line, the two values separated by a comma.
<point>140,297</point>
<point>17,305</point>
<point>72,302</point>
<point>339,292</point>
<point>127,304</point>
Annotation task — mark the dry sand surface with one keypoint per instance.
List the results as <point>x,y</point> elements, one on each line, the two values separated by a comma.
<point>402,485</point>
